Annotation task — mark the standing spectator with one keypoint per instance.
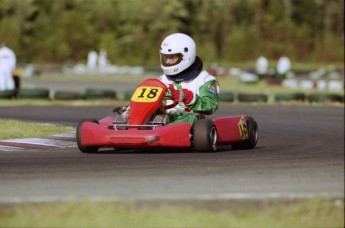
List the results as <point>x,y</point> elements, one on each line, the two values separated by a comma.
<point>261,67</point>
<point>17,74</point>
<point>283,67</point>
<point>92,60</point>
<point>102,60</point>
<point>7,65</point>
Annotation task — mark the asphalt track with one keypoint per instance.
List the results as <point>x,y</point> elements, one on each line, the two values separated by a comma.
<point>300,154</point>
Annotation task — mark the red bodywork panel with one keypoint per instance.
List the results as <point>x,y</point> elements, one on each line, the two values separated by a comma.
<point>175,135</point>
<point>146,99</point>
<point>231,129</point>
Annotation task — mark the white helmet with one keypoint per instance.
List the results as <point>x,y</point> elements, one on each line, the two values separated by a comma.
<point>178,52</point>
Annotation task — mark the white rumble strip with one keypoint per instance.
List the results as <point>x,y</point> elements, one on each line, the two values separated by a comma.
<point>55,141</point>
<point>175,197</point>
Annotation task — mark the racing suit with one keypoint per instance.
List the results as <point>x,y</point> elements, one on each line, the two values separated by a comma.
<point>205,88</point>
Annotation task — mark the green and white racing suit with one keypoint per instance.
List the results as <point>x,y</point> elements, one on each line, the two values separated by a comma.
<point>205,88</point>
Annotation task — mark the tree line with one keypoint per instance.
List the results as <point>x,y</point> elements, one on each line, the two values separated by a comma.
<point>131,31</point>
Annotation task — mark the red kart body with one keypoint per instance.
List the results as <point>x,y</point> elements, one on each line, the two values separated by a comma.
<point>141,132</point>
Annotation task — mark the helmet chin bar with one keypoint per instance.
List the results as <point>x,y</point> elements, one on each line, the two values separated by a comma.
<point>170,70</point>
<point>189,73</point>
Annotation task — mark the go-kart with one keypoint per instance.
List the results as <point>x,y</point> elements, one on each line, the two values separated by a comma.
<point>147,126</point>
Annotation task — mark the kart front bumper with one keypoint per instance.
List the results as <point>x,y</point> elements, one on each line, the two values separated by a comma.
<point>175,135</point>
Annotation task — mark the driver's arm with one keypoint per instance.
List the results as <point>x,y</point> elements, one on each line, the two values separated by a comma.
<point>207,100</point>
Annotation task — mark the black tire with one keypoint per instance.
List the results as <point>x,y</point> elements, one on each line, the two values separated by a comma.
<point>226,96</point>
<point>68,95</point>
<point>282,97</point>
<point>128,95</point>
<point>85,149</point>
<point>252,140</point>
<point>244,97</point>
<point>91,93</point>
<point>319,97</point>
<point>33,93</point>
<point>204,135</point>
<point>7,94</point>
<point>336,98</point>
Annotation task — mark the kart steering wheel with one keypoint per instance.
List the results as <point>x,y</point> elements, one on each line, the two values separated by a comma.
<point>171,105</point>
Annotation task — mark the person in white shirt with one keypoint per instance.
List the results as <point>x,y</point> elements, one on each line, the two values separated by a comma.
<point>7,65</point>
<point>92,60</point>
<point>283,67</point>
<point>261,67</point>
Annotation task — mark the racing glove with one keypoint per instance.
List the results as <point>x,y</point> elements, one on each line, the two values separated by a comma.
<point>183,95</point>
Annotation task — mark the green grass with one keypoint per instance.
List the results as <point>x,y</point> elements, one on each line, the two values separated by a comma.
<point>304,213</point>
<point>11,129</point>
<point>232,84</point>
<point>296,66</point>
<point>91,77</point>
<point>45,102</point>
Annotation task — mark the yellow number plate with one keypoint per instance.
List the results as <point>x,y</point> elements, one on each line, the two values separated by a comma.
<point>146,94</point>
<point>242,126</point>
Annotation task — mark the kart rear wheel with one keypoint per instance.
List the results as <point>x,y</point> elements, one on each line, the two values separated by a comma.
<point>204,135</point>
<point>85,149</point>
<point>250,143</point>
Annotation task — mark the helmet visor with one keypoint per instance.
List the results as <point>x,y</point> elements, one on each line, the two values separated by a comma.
<point>171,59</point>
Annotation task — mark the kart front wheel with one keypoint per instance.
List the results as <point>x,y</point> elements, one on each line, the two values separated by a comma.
<point>204,135</point>
<point>85,149</point>
<point>250,143</point>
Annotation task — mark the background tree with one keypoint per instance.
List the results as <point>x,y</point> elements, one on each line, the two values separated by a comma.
<point>53,31</point>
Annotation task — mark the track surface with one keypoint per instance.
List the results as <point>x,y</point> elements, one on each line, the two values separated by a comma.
<point>300,154</point>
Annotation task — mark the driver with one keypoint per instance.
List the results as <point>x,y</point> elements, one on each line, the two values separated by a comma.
<point>194,89</point>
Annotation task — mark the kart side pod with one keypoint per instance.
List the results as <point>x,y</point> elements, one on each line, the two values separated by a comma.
<point>239,131</point>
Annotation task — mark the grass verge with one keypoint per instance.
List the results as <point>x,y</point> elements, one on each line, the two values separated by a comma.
<point>44,102</point>
<point>304,213</point>
<point>13,129</point>
<point>227,83</point>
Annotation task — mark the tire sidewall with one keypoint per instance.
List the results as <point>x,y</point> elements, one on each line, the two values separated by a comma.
<point>202,140</point>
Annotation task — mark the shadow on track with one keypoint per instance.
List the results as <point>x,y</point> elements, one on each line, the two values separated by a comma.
<point>221,149</point>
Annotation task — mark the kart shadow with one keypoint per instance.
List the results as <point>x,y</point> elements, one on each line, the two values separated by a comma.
<point>222,149</point>
<point>146,151</point>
